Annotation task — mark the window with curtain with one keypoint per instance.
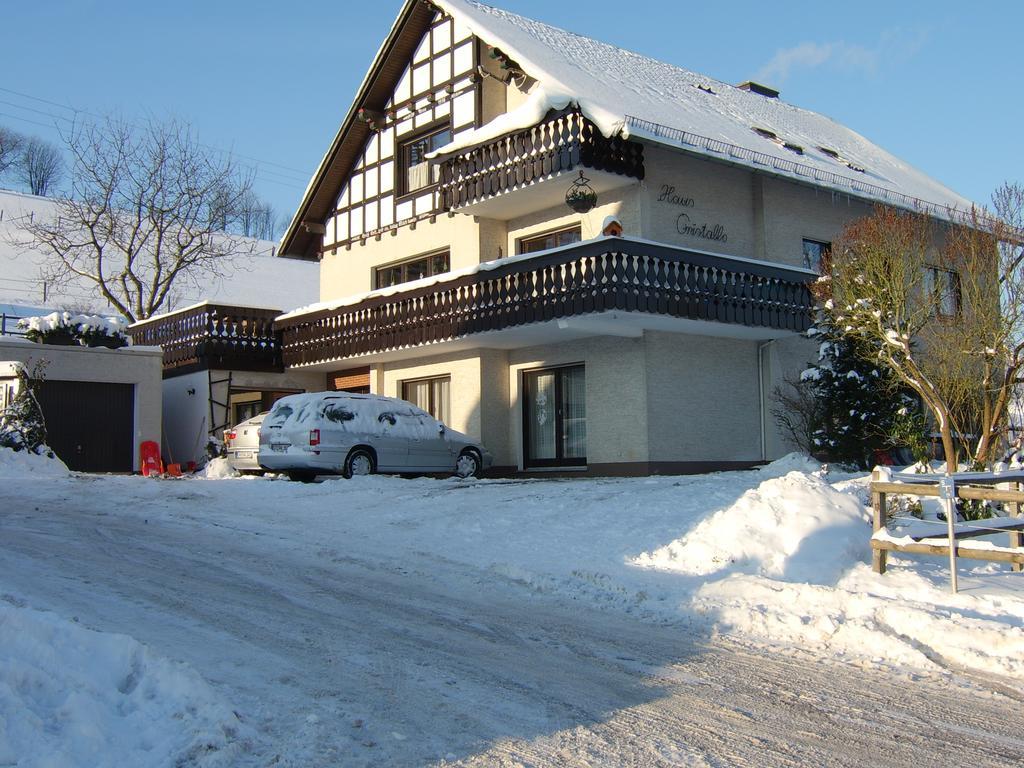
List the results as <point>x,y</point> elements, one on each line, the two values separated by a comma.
<point>413,269</point>
<point>943,286</point>
<point>555,417</point>
<point>550,240</point>
<point>432,395</point>
<point>414,171</point>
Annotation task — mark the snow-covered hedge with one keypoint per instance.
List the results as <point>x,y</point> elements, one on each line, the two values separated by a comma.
<point>68,328</point>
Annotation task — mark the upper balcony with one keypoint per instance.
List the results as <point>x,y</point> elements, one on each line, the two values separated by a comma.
<point>608,286</point>
<point>218,336</point>
<point>507,178</point>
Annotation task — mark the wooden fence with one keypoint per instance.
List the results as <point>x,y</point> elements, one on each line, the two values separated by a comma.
<point>976,486</point>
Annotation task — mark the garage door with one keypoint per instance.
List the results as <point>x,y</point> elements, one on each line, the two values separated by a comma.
<point>90,425</point>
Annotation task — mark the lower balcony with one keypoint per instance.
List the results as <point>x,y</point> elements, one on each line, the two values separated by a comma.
<point>599,287</point>
<point>216,336</point>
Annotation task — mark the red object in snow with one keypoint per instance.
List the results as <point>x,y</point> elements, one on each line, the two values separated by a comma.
<point>149,459</point>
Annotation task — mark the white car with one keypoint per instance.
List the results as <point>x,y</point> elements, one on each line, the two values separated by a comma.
<point>242,445</point>
<point>349,434</point>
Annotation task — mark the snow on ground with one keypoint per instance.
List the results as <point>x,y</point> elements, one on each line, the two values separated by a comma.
<point>19,464</point>
<point>70,696</point>
<point>776,557</point>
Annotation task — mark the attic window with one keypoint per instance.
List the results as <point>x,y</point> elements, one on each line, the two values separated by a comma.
<point>770,135</point>
<point>414,172</point>
<point>840,159</point>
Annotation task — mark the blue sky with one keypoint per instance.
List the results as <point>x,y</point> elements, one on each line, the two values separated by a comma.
<point>935,83</point>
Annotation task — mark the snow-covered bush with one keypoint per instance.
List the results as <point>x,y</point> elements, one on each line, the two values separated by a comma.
<point>845,407</point>
<point>22,426</point>
<point>67,328</point>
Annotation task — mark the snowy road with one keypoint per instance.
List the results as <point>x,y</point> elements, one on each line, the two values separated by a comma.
<point>337,651</point>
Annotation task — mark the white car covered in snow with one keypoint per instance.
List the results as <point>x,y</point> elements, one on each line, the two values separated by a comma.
<point>242,444</point>
<point>349,434</point>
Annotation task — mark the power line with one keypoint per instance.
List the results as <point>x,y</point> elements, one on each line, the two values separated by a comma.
<point>302,173</point>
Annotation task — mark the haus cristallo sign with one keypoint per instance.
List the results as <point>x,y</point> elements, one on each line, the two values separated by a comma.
<point>685,223</point>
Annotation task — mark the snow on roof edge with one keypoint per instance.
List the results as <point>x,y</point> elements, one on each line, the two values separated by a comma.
<point>197,305</point>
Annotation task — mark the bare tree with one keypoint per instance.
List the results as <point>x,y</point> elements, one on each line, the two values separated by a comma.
<point>146,213</point>
<point>942,307</point>
<point>10,147</point>
<point>257,218</point>
<point>39,166</point>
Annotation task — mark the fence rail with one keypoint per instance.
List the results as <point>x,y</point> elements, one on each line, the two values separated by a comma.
<point>591,277</point>
<point>982,490</point>
<point>9,325</point>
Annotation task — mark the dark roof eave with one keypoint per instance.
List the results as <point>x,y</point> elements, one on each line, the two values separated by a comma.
<point>413,20</point>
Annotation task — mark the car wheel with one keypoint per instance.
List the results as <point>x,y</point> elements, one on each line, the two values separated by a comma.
<point>468,464</point>
<point>358,462</point>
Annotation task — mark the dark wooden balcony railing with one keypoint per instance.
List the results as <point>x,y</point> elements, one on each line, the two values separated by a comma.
<point>594,276</point>
<point>214,336</point>
<point>560,143</point>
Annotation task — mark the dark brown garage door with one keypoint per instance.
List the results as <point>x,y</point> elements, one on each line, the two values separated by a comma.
<point>90,424</point>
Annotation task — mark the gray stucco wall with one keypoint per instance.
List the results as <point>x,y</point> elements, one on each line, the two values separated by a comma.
<point>616,394</point>
<point>703,399</point>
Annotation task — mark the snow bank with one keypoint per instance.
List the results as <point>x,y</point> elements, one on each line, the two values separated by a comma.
<point>70,696</point>
<point>25,464</point>
<point>794,527</point>
<point>787,563</point>
<point>218,469</point>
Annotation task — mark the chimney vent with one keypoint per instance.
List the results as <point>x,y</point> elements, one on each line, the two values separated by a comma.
<point>760,90</point>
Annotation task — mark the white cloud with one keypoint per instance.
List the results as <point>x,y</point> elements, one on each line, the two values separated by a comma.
<point>848,57</point>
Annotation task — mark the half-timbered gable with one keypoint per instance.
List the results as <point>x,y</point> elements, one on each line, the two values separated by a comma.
<point>436,99</point>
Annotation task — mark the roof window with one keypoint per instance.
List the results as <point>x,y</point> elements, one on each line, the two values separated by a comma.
<point>840,159</point>
<point>793,147</point>
<point>705,88</point>
<point>770,135</point>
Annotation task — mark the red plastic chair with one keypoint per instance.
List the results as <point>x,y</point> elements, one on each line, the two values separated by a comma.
<point>149,459</point>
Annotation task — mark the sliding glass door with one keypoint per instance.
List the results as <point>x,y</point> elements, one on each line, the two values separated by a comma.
<point>555,417</point>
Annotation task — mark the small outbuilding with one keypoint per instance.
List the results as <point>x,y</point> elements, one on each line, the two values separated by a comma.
<point>99,404</point>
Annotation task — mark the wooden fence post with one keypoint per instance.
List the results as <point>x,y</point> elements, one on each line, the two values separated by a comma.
<point>879,518</point>
<point>1016,537</point>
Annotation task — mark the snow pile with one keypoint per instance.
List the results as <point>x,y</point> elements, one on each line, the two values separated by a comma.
<point>25,464</point>
<point>70,696</point>
<point>218,469</point>
<point>791,462</point>
<point>787,563</point>
<point>794,527</point>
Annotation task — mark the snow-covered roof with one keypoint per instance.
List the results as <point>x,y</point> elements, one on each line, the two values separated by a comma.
<point>639,97</point>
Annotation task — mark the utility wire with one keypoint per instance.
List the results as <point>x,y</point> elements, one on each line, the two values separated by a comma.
<point>77,111</point>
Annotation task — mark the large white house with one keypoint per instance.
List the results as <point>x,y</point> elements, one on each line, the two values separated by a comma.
<point>453,272</point>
